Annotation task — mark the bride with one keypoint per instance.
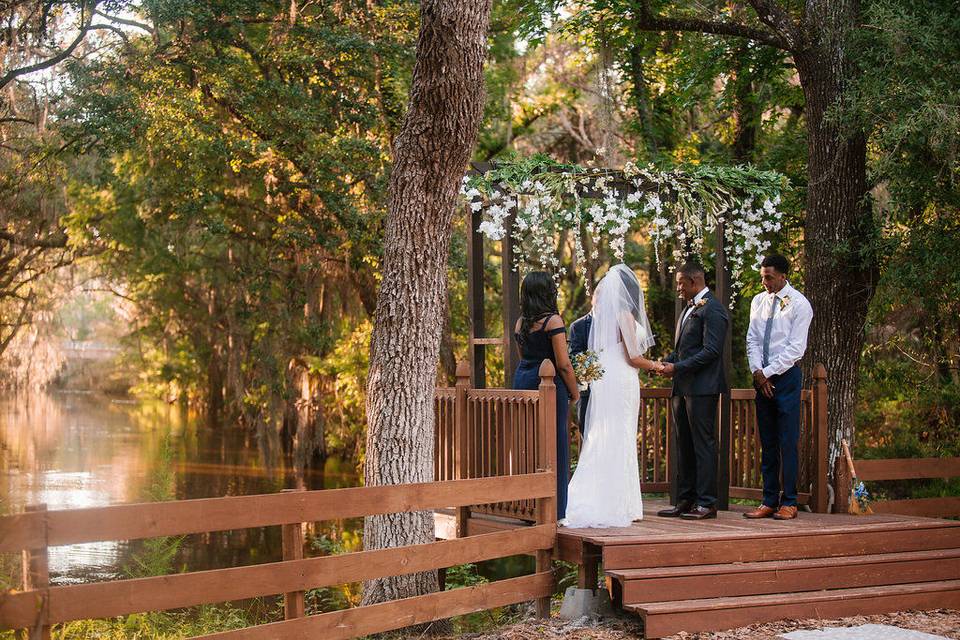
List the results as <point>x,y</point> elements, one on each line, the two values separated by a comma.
<point>605,488</point>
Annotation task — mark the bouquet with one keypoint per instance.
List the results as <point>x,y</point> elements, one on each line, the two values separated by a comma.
<point>587,367</point>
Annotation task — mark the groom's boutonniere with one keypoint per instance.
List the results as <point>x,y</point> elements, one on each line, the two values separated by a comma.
<point>784,302</point>
<point>701,303</point>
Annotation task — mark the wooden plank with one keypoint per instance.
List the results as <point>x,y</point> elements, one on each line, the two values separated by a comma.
<point>398,614</point>
<point>487,341</point>
<point>21,531</point>
<point>36,576</point>
<point>943,507</point>
<point>908,468</point>
<point>758,578</point>
<point>744,549</point>
<point>292,547</point>
<point>109,599</point>
<point>807,526</point>
<point>126,522</point>
<point>18,610</point>
<point>664,619</point>
<point>655,392</point>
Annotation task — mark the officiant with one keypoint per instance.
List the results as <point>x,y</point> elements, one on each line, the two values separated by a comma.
<point>579,332</point>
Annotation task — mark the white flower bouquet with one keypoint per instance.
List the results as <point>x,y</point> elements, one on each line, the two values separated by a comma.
<point>587,367</point>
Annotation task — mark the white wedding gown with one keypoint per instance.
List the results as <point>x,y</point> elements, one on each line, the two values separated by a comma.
<point>605,488</point>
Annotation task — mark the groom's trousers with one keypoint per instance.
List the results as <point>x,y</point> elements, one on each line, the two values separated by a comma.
<point>695,425</point>
<point>778,421</point>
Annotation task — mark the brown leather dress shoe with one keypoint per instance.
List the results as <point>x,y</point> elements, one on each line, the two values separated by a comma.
<point>785,513</point>
<point>763,511</point>
<point>700,513</point>
<point>677,511</point>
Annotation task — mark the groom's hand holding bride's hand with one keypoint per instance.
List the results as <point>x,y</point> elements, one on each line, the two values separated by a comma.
<point>666,369</point>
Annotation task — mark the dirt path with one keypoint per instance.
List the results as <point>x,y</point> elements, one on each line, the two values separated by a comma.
<point>944,622</point>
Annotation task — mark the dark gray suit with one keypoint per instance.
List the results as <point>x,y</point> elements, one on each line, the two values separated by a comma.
<point>698,381</point>
<point>579,332</point>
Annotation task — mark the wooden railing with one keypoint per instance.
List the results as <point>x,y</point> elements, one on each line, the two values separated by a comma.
<point>498,424</point>
<point>744,457</point>
<point>904,469</point>
<point>39,605</point>
<point>495,432</point>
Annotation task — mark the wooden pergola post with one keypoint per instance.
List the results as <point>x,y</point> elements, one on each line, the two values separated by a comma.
<point>724,429</point>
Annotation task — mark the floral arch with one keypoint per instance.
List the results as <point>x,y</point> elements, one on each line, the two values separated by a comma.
<point>526,202</point>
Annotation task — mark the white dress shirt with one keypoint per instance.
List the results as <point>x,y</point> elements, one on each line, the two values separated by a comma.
<point>788,334</point>
<point>690,307</point>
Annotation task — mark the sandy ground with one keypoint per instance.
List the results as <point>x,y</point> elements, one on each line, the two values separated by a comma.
<point>944,622</point>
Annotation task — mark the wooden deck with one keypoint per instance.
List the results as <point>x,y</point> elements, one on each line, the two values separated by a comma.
<point>730,572</point>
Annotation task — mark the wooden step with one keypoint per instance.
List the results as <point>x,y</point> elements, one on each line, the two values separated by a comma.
<point>785,576</point>
<point>763,546</point>
<point>667,618</point>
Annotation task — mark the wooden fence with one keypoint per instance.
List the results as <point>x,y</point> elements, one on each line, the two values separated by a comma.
<point>498,428</point>
<point>40,605</point>
<point>904,469</point>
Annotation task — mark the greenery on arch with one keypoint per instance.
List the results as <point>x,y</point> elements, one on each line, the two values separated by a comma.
<point>535,198</point>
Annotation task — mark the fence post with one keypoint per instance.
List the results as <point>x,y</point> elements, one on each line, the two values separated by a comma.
<point>821,475</point>
<point>36,576</point>
<point>292,544</point>
<point>546,461</point>
<point>461,444</point>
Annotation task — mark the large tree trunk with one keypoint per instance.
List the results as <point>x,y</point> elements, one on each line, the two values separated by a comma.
<point>430,155</point>
<point>837,232</point>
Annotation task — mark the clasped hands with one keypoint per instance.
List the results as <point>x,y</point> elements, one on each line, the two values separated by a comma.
<point>664,369</point>
<point>763,384</point>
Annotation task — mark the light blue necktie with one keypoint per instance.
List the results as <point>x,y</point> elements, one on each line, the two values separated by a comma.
<point>767,331</point>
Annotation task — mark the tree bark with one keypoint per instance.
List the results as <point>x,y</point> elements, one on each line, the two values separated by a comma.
<point>430,155</point>
<point>840,271</point>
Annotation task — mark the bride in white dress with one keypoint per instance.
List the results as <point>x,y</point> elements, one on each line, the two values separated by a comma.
<point>605,488</point>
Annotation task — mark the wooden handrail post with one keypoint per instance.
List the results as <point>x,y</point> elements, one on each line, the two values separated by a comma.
<point>546,461</point>
<point>36,576</point>
<point>821,474</point>
<point>461,442</point>
<point>292,544</point>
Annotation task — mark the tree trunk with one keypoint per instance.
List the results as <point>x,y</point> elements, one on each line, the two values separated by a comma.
<point>430,155</point>
<point>840,271</point>
<point>746,111</point>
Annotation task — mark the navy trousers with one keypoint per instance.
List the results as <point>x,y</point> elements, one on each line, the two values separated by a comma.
<point>778,420</point>
<point>528,377</point>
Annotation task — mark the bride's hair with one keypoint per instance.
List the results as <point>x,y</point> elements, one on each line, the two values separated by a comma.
<point>633,290</point>
<point>538,299</point>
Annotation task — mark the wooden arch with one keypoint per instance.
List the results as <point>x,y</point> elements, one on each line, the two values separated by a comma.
<point>479,341</point>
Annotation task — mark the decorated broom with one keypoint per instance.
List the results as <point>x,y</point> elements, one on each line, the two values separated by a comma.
<point>858,493</point>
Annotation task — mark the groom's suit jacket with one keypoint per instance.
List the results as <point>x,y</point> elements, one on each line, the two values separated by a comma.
<point>698,349</point>
<point>579,332</point>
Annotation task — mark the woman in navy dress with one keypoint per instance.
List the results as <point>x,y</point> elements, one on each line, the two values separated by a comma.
<point>541,336</point>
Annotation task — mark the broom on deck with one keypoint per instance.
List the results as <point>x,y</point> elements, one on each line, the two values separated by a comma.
<point>853,507</point>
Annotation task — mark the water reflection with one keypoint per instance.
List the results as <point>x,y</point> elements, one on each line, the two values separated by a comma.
<point>70,451</point>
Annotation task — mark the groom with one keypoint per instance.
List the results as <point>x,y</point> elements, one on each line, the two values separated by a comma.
<point>696,367</point>
<point>579,332</point>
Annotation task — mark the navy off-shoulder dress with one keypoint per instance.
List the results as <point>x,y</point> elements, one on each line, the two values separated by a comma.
<point>534,349</point>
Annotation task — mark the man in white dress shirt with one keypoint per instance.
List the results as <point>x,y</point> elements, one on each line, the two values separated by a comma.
<point>776,340</point>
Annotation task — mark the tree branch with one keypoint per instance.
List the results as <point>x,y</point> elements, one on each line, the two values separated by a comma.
<point>130,23</point>
<point>647,21</point>
<point>12,74</point>
<point>778,19</point>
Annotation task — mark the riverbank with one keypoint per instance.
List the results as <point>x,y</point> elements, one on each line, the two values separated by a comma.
<point>942,622</point>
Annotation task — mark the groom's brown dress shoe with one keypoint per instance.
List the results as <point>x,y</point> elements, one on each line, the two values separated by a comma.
<point>700,513</point>
<point>763,511</point>
<point>677,511</point>
<point>785,513</point>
